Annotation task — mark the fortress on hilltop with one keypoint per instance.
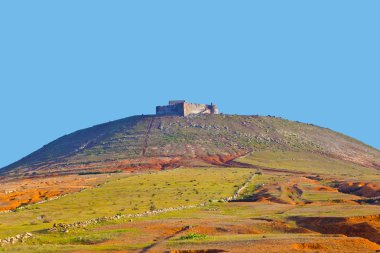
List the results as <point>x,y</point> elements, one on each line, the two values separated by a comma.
<point>183,108</point>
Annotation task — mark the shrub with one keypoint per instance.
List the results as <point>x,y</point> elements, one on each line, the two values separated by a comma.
<point>152,207</point>
<point>90,239</point>
<point>191,236</point>
<point>46,220</point>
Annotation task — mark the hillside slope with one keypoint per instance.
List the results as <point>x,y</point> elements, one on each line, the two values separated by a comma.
<point>158,142</point>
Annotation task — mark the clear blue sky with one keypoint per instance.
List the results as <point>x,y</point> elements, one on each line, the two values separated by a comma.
<point>67,65</point>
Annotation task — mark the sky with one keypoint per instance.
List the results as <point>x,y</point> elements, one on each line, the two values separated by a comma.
<point>68,65</point>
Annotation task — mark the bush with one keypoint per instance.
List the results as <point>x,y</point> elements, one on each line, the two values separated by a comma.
<point>152,207</point>
<point>46,220</point>
<point>90,239</point>
<point>191,236</point>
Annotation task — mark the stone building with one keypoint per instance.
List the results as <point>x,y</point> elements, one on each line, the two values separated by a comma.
<point>183,108</point>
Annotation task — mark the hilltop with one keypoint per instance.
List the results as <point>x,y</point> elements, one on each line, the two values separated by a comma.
<point>159,142</point>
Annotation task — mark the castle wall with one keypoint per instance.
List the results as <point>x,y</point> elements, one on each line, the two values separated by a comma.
<point>171,110</point>
<point>180,108</point>
<point>196,109</point>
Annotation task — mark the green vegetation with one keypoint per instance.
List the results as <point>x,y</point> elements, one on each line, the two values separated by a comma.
<point>244,237</point>
<point>192,236</point>
<point>311,163</point>
<point>132,194</point>
<point>150,191</point>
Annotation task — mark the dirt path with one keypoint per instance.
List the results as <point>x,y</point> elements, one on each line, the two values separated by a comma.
<point>247,165</point>
<point>156,245</point>
<point>147,137</point>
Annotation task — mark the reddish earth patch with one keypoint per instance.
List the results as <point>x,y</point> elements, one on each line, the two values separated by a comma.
<point>314,245</point>
<point>197,251</point>
<point>148,232</point>
<point>222,229</point>
<point>364,189</point>
<point>306,246</point>
<point>281,192</point>
<point>324,189</point>
<point>361,226</point>
<point>220,159</point>
<point>16,193</point>
<point>143,163</point>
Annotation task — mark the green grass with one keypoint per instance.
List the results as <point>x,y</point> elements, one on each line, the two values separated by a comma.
<point>311,163</point>
<point>90,237</point>
<point>192,236</point>
<point>332,210</point>
<point>137,193</point>
<point>54,248</point>
<point>132,194</point>
<point>327,196</point>
<point>310,193</point>
<point>243,237</point>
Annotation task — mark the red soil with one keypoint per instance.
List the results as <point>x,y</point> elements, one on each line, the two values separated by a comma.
<point>361,189</point>
<point>324,189</point>
<point>359,226</point>
<point>312,245</point>
<point>15,193</point>
<point>220,159</point>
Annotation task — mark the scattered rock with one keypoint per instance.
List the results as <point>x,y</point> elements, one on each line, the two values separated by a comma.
<point>21,238</point>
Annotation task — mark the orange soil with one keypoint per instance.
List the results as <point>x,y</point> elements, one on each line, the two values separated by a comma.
<point>220,159</point>
<point>324,189</point>
<point>320,245</point>
<point>15,193</point>
<point>19,191</point>
<point>305,246</point>
<point>155,234</point>
<point>288,192</point>
<point>360,226</point>
<point>143,163</point>
<point>361,188</point>
<point>153,231</point>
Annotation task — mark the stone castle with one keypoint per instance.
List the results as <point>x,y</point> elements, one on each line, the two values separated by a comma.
<point>183,108</point>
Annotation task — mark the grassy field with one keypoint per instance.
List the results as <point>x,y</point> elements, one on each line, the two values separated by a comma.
<point>241,222</point>
<point>272,219</point>
<point>130,194</point>
<point>312,164</point>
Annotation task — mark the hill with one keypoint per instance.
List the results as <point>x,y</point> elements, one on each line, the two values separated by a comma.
<point>140,142</point>
<point>236,184</point>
